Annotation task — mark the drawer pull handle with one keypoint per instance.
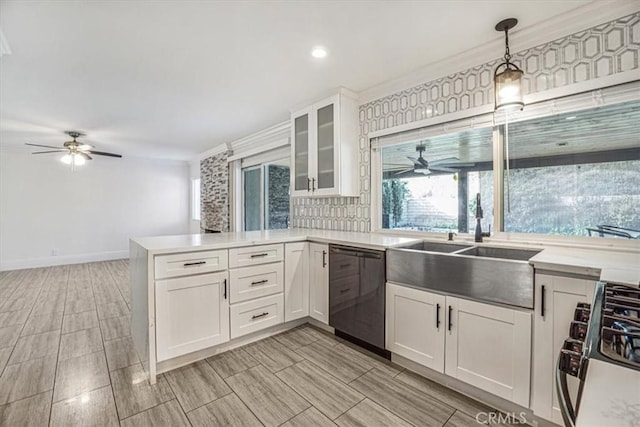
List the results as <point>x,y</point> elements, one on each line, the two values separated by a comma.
<point>324,259</point>
<point>344,291</point>
<point>437,316</point>
<point>258,255</point>
<point>257,316</point>
<point>260,282</point>
<point>225,289</point>
<point>345,265</point>
<point>193,264</point>
<point>450,319</point>
<point>542,298</point>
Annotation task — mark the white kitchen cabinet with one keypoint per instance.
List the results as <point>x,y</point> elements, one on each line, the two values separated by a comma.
<point>324,148</point>
<point>296,281</point>
<point>415,325</point>
<point>489,347</point>
<point>257,314</point>
<point>556,298</point>
<point>319,282</point>
<point>192,313</point>
<point>256,281</point>
<point>484,345</point>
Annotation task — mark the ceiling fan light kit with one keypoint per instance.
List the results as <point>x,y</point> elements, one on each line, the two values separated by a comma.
<point>507,78</point>
<point>76,153</point>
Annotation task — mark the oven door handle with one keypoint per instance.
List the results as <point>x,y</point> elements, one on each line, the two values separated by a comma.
<point>564,399</point>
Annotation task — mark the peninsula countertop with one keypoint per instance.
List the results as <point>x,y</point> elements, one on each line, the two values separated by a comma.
<point>201,242</point>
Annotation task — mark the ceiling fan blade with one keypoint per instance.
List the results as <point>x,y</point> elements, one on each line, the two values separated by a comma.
<point>44,152</point>
<point>102,153</point>
<point>85,155</point>
<point>443,169</point>
<point>45,146</point>
<point>444,161</point>
<point>403,171</point>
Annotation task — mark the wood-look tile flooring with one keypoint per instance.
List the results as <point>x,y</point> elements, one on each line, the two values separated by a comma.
<point>67,359</point>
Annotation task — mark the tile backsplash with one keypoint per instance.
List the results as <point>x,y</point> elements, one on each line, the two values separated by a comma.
<point>603,50</point>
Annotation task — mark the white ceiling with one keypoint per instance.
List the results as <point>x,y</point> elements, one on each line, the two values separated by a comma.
<point>171,79</point>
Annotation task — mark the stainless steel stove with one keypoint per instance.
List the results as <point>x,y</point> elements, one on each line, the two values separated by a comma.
<point>605,336</point>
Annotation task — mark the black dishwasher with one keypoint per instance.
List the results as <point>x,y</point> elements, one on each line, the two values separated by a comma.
<point>357,296</point>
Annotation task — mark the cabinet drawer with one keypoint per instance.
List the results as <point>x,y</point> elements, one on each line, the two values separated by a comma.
<point>254,255</point>
<point>254,315</point>
<point>257,281</point>
<point>184,264</point>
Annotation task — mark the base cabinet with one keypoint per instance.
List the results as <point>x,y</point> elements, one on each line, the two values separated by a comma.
<point>489,347</point>
<point>556,299</point>
<point>415,325</point>
<point>319,282</point>
<point>296,281</point>
<point>481,344</point>
<point>192,313</point>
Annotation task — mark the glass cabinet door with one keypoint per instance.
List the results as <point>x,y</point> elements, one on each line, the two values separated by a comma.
<point>301,150</point>
<point>325,161</point>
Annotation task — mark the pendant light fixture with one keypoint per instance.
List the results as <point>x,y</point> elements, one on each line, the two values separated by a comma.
<point>507,79</point>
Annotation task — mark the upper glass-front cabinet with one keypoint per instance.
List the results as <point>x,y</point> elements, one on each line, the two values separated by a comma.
<point>324,148</point>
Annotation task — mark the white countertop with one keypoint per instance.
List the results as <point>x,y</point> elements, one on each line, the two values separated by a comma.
<point>611,396</point>
<point>610,266</point>
<point>199,242</point>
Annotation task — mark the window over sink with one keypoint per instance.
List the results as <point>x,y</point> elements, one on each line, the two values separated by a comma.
<point>573,169</point>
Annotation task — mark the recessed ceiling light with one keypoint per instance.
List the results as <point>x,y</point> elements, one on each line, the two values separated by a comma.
<point>319,52</point>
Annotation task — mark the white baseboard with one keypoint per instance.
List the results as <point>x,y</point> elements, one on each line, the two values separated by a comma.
<point>20,264</point>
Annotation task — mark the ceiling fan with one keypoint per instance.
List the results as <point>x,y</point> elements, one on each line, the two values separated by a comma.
<point>77,153</point>
<point>421,165</point>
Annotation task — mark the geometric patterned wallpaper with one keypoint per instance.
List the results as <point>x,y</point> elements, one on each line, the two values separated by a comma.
<point>603,50</point>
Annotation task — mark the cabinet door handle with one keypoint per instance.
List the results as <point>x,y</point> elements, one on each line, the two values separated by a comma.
<point>258,255</point>
<point>450,312</point>
<point>308,184</point>
<point>257,316</point>
<point>543,296</point>
<point>259,282</point>
<point>191,264</point>
<point>324,259</point>
<point>225,289</point>
<point>437,316</point>
<point>313,185</point>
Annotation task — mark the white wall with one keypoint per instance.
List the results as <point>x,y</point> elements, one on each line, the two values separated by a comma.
<point>194,173</point>
<point>50,215</point>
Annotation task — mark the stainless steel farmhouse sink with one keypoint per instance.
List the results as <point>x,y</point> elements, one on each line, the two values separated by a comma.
<point>501,275</point>
<point>502,253</point>
<point>437,247</point>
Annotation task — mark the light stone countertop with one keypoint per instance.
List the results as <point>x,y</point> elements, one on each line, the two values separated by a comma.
<point>201,242</point>
<point>609,265</point>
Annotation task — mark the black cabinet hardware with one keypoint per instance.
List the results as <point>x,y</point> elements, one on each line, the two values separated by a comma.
<point>259,255</point>
<point>450,313</point>
<point>225,289</point>
<point>257,316</point>
<point>324,259</point>
<point>191,264</point>
<point>542,298</point>
<point>259,282</point>
<point>437,316</point>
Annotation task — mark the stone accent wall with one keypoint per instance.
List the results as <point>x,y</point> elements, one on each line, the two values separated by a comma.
<point>214,193</point>
<point>606,49</point>
<point>279,209</point>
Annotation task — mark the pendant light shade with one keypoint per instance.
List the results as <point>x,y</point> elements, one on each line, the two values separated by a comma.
<point>507,79</point>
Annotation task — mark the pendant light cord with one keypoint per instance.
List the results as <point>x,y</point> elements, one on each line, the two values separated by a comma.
<point>507,54</point>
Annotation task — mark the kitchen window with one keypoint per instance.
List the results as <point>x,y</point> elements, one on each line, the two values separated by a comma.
<point>573,170</point>
<point>431,183</point>
<point>265,196</point>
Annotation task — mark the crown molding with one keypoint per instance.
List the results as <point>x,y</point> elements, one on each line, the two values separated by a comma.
<point>265,136</point>
<point>582,18</point>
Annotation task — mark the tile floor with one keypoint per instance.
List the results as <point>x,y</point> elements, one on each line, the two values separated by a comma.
<point>66,358</point>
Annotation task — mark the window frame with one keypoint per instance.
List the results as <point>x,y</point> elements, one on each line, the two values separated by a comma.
<point>478,118</point>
